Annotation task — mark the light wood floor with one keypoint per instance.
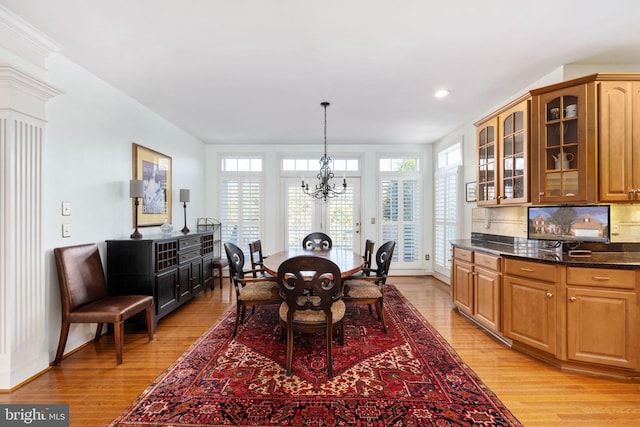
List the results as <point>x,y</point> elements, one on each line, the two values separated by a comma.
<point>538,395</point>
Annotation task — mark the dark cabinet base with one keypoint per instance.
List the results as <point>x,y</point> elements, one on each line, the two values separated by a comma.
<point>173,268</point>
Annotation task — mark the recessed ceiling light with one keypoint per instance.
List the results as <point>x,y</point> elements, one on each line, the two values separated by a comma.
<point>441,93</point>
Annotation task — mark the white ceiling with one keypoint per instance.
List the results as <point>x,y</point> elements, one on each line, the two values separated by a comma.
<point>255,71</point>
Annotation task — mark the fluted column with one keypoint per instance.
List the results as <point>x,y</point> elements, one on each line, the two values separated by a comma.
<point>23,344</point>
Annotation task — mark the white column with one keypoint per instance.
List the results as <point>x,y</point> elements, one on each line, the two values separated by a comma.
<point>23,293</point>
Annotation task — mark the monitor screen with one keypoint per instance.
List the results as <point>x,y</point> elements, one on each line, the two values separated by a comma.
<point>569,223</point>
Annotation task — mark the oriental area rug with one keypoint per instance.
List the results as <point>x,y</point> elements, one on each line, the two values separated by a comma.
<point>409,376</point>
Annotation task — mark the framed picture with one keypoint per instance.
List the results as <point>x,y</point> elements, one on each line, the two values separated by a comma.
<point>471,191</point>
<point>154,169</point>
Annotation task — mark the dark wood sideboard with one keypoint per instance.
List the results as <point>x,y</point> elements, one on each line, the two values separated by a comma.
<point>173,268</point>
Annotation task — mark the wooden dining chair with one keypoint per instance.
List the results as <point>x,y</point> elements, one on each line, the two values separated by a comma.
<point>257,258</point>
<point>83,293</point>
<point>250,291</point>
<point>368,253</point>
<point>312,290</point>
<point>317,241</point>
<point>368,287</point>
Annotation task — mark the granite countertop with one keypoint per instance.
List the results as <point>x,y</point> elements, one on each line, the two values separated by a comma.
<point>535,251</point>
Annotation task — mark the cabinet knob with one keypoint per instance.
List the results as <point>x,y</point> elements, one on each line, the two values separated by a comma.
<point>573,299</point>
<point>549,295</point>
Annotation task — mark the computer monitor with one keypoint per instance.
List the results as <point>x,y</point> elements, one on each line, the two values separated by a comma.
<point>569,223</point>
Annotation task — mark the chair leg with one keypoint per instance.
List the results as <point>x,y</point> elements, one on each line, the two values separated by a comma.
<point>329,334</point>
<point>289,349</point>
<point>64,333</point>
<point>380,310</point>
<point>98,332</point>
<point>150,324</point>
<point>118,335</point>
<point>238,314</point>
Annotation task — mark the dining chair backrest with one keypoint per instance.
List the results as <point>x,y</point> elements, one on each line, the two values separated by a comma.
<point>310,283</point>
<point>368,253</point>
<point>257,259</point>
<point>236,260</point>
<point>383,258</point>
<point>317,240</point>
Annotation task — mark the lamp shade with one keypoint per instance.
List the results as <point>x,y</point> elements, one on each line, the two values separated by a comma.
<point>136,188</point>
<point>184,195</point>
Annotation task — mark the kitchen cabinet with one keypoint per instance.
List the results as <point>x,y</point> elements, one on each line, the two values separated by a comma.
<point>173,268</point>
<point>476,287</point>
<point>619,141</point>
<point>503,155</point>
<point>530,304</point>
<point>602,321</point>
<point>564,167</point>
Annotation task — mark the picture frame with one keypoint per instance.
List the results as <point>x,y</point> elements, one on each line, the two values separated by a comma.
<point>155,170</point>
<point>470,192</point>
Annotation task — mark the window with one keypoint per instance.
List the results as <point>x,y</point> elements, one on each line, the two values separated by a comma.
<point>446,206</point>
<point>241,200</point>
<point>400,207</point>
<point>451,156</point>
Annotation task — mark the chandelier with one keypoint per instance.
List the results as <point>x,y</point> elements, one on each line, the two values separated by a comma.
<point>325,188</point>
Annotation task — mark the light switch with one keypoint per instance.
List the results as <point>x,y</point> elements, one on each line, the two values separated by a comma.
<point>66,208</point>
<point>66,230</point>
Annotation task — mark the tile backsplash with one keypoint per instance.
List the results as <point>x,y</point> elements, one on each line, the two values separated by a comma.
<point>512,221</point>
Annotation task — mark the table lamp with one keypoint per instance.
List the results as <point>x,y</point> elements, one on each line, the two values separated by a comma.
<point>136,190</point>
<point>184,198</point>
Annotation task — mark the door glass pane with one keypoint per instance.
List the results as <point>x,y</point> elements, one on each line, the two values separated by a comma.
<point>300,215</point>
<point>570,183</point>
<point>341,219</point>
<point>508,146</point>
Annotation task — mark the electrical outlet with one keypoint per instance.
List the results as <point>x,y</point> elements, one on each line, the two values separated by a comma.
<point>615,228</point>
<point>66,230</point>
<point>426,257</point>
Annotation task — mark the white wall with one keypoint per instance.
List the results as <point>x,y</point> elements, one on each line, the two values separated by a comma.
<point>88,162</point>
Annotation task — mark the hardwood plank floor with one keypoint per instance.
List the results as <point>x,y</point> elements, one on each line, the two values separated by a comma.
<point>98,390</point>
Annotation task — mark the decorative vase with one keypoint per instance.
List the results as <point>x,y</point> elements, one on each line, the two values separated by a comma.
<point>166,228</point>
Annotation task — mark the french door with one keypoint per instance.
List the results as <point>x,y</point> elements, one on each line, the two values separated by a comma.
<point>338,217</point>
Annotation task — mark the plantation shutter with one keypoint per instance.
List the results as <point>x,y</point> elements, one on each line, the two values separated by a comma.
<point>240,210</point>
<point>447,182</point>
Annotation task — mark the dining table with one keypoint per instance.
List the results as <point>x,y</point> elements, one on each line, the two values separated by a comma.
<point>347,260</point>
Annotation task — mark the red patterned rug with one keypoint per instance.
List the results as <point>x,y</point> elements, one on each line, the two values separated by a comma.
<point>409,376</point>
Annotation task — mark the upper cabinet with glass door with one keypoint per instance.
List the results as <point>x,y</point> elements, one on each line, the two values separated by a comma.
<point>503,155</point>
<point>564,131</point>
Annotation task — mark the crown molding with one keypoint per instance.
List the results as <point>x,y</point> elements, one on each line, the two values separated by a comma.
<point>25,40</point>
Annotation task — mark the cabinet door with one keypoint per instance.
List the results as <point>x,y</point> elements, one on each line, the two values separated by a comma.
<point>530,313</point>
<point>487,298</point>
<point>487,191</point>
<point>566,145</point>
<point>166,292</point>
<point>602,327</point>
<point>463,286</point>
<point>619,141</point>
<point>207,271</point>
<point>513,148</point>
<point>184,282</point>
<point>196,277</point>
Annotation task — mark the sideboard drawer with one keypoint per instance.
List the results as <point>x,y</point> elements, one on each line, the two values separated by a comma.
<point>189,242</point>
